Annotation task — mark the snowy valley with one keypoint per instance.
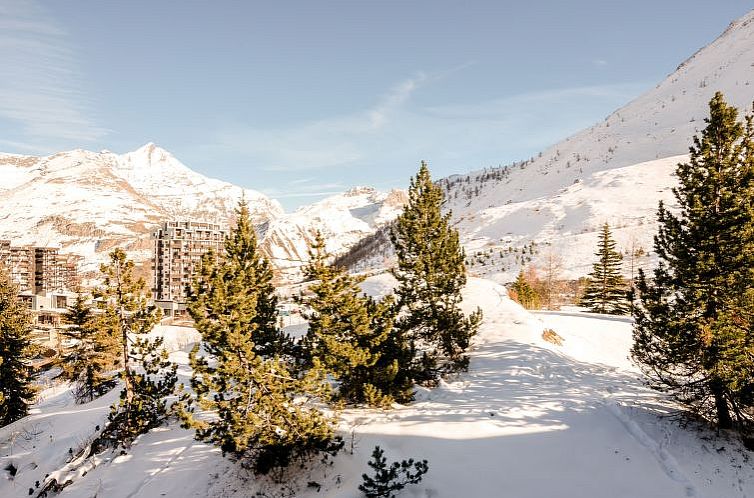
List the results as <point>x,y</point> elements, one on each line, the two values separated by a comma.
<point>552,403</point>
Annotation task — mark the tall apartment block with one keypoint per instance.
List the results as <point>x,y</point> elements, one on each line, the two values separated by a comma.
<point>19,263</point>
<point>39,270</point>
<point>178,250</point>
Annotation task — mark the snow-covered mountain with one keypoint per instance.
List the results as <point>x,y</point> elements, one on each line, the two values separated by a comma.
<point>343,219</point>
<point>615,171</point>
<point>87,202</point>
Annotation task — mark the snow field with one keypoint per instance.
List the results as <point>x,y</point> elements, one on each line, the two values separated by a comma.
<point>529,419</point>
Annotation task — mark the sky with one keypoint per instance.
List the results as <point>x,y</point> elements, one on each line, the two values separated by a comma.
<point>304,99</point>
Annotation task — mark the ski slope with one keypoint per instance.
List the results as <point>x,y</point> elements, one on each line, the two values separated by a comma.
<point>529,419</point>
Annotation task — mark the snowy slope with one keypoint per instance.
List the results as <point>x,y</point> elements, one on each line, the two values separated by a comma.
<point>615,171</point>
<point>528,420</point>
<point>88,202</point>
<point>343,219</point>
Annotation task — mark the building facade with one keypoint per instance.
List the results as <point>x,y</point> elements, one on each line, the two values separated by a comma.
<point>178,250</point>
<point>39,270</point>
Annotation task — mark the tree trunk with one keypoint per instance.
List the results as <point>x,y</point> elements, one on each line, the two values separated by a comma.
<point>724,420</point>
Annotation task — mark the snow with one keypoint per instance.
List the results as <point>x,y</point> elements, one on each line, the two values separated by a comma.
<point>88,202</point>
<point>529,419</point>
<point>343,219</point>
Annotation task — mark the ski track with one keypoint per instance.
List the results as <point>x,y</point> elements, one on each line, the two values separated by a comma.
<point>144,483</point>
<point>666,461</point>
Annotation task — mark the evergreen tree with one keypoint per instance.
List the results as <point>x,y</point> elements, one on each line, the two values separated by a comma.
<point>239,282</point>
<point>147,375</point>
<point>388,480</point>
<point>264,411</point>
<point>352,335</point>
<point>606,291</point>
<point>693,333</point>
<point>431,275</point>
<point>89,361</point>
<point>16,391</point>
<point>524,292</point>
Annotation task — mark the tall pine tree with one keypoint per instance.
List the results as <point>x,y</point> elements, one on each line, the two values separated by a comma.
<point>606,290</point>
<point>263,410</point>
<point>693,331</point>
<point>148,377</point>
<point>352,335</point>
<point>16,391</point>
<point>93,354</point>
<point>431,275</point>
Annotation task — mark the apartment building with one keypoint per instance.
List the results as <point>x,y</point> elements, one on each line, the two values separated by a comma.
<point>39,270</point>
<point>178,249</point>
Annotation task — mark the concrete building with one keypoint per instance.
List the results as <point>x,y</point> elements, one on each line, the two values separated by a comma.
<point>178,250</point>
<point>19,262</point>
<point>48,273</point>
<point>39,270</point>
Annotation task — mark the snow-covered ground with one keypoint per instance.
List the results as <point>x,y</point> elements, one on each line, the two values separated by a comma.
<point>529,419</point>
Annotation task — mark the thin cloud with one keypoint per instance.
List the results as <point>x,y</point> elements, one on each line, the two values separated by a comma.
<point>395,131</point>
<point>41,91</point>
<point>326,143</point>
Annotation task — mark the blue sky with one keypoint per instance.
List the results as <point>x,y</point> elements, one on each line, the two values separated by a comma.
<point>301,99</point>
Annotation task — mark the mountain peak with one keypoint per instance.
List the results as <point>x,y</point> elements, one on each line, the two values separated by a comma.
<point>359,190</point>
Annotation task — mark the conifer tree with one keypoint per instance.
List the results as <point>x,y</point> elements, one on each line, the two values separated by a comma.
<point>525,294</point>
<point>94,354</point>
<point>265,412</point>
<point>148,377</point>
<point>431,275</point>
<point>693,333</point>
<point>16,352</point>
<point>606,291</point>
<point>352,335</point>
<point>391,479</point>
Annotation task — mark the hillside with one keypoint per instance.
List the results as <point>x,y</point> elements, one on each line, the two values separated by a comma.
<point>343,219</point>
<point>615,171</point>
<point>528,420</point>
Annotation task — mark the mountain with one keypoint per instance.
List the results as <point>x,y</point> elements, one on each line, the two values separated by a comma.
<point>615,171</point>
<point>88,202</point>
<point>343,219</point>
<point>550,207</point>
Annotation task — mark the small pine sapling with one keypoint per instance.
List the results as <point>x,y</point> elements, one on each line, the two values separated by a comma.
<point>388,480</point>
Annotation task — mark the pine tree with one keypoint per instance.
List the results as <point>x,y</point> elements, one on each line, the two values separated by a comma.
<point>352,335</point>
<point>148,377</point>
<point>431,275</point>
<point>388,480</point>
<point>16,352</point>
<point>524,292</point>
<point>94,354</point>
<point>239,282</point>
<point>606,291</point>
<point>693,333</point>
<point>265,412</point>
